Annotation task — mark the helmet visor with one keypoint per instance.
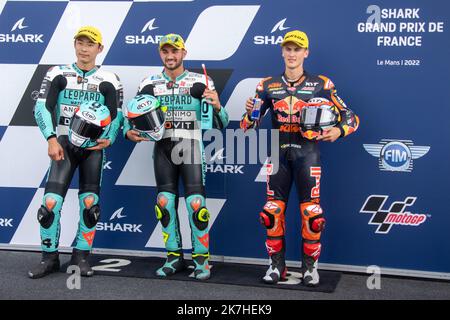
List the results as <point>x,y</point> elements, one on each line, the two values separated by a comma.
<point>150,121</point>
<point>318,117</point>
<point>85,129</point>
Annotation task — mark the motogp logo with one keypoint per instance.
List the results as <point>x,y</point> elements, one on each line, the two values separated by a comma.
<point>395,215</point>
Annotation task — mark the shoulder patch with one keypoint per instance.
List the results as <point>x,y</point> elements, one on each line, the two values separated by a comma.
<point>328,84</point>
<point>109,76</point>
<point>52,72</point>
<point>260,86</point>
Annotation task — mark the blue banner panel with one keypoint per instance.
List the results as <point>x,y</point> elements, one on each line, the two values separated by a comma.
<point>383,188</point>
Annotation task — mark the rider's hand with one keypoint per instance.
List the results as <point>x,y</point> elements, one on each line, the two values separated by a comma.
<point>213,98</point>
<point>249,106</point>
<point>55,151</point>
<point>134,136</point>
<point>330,135</point>
<point>102,144</point>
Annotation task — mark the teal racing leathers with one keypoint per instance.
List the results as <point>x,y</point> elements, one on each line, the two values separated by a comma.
<point>64,88</point>
<point>180,153</point>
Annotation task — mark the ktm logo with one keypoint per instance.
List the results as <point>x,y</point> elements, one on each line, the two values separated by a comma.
<point>290,128</point>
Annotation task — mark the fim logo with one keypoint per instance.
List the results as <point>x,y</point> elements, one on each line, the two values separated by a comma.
<point>118,227</point>
<point>396,214</point>
<point>396,155</point>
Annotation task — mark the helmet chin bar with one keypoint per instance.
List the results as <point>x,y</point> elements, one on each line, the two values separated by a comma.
<point>150,124</point>
<point>90,122</point>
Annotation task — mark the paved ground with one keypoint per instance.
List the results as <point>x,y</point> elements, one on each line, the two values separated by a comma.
<point>14,284</point>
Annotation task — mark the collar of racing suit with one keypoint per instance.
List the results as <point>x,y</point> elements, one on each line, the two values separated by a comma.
<point>297,82</point>
<point>181,76</point>
<point>84,73</point>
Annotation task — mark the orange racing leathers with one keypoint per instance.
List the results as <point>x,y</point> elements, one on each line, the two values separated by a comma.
<point>299,161</point>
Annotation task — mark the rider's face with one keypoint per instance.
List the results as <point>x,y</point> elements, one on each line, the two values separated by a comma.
<point>294,55</point>
<point>86,50</point>
<point>172,57</point>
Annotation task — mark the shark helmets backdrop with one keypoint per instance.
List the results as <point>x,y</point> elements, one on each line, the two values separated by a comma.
<point>384,189</point>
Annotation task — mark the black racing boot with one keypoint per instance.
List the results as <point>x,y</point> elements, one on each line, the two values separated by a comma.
<point>79,258</point>
<point>309,271</point>
<point>202,269</point>
<point>277,270</point>
<point>49,264</point>
<point>175,263</point>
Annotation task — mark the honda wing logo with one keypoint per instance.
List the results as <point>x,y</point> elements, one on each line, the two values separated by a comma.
<point>19,25</point>
<point>149,26</point>
<point>396,214</point>
<point>272,39</point>
<point>396,155</point>
<point>280,26</point>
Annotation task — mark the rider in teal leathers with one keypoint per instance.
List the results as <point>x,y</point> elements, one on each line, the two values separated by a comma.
<point>63,90</point>
<point>184,93</point>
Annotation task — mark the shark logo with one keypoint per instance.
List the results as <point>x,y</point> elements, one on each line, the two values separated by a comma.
<point>275,37</point>
<point>117,226</point>
<point>142,38</point>
<point>280,26</point>
<point>19,25</point>
<point>149,26</point>
<point>218,156</point>
<point>117,214</point>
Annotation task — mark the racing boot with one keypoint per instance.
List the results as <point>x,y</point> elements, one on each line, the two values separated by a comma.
<point>202,269</point>
<point>277,270</point>
<point>79,258</point>
<point>175,263</point>
<point>49,264</point>
<point>310,262</point>
<point>309,271</point>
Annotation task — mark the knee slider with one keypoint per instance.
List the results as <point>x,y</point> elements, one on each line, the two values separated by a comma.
<point>201,218</point>
<point>45,217</point>
<point>201,215</point>
<point>271,212</point>
<point>162,214</point>
<point>313,220</point>
<point>267,219</point>
<point>317,223</point>
<point>91,216</point>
